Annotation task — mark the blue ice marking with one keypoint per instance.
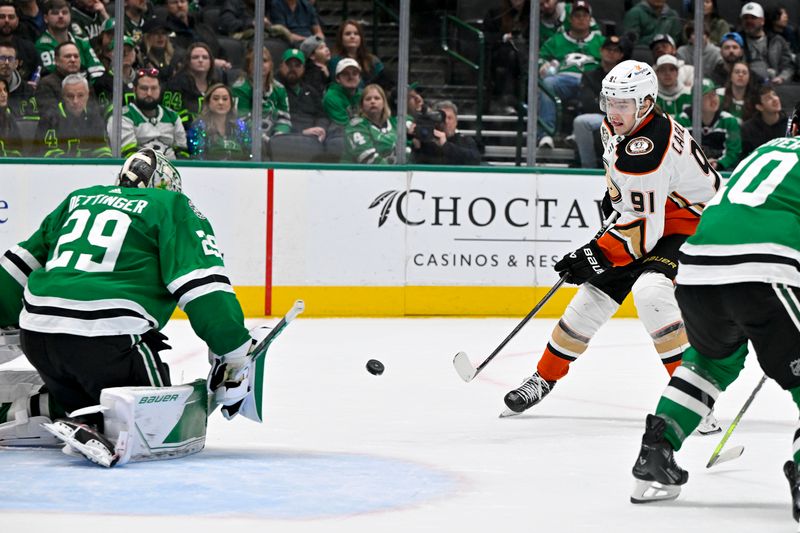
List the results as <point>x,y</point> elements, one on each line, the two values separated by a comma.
<point>265,484</point>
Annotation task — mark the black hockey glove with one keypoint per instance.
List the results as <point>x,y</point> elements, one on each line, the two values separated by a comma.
<point>583,264</point>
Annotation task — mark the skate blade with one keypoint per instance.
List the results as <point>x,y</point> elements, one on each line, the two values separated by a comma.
<point>653,491</point>
<point>727,455</point>
<point>705,433</point>
<point>72,446</point>
<point>509,413</point>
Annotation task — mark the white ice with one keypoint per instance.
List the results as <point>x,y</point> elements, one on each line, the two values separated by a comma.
<point>417,449</point>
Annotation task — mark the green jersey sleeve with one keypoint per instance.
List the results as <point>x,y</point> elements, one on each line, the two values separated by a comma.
<point>194,272</point>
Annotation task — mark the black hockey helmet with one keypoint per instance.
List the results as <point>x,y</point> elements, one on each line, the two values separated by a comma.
<point>149,168</point>
<point>793,126</point>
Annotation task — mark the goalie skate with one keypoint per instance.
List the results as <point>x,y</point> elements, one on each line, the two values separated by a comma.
<point>658,477</point>
<point>85,440</point>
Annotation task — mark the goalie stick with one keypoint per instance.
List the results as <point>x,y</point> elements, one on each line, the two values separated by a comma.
<point>253,408</point>
<point>736,451</point>
<point>461,361</point>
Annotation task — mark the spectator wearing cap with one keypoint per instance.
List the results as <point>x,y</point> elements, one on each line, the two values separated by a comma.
<point>275,117</point>
<point>350,44</point>
<point>184,92</point>
<point>673,96</point>
<point>711,53</point>
<point>218,134</point>
<point>770,56</point>
<point>342,101</point>
<point>767,122</point>
<point>731,49</point>
<point>648,18</point>
<point>740,88</point>
<point>586,125</point>
<point>57,18</point>
<point>563,59</point>
<point>147,124</point>
<point>104,87</point>
<point>89,15</point>
<point>75,127</point>
<point>299,16</point>
<point>722,137</point>
<point>157,50</point>
<point>310,123</point>
<point>553,18</point>
<point>188,30</point>
<point>21,103</point>
<point>318,56</point>
<point>663,44</point>
<point>11,35</point>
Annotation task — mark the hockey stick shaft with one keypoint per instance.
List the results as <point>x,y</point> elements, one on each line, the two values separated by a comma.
<point>260,350</point>
<point>463,367</point>
<point>726,436</point>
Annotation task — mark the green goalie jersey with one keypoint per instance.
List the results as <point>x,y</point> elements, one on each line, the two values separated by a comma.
<point>114,261</point>
<point>750,231</point>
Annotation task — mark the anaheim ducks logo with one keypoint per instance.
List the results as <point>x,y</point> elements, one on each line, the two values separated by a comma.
<point>613,189</point>
<point>639,146</point>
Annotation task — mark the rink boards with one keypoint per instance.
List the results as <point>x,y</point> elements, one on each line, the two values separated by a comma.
<point>364,242</point>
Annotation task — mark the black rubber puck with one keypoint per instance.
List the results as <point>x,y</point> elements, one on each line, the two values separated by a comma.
<point>375,367</point>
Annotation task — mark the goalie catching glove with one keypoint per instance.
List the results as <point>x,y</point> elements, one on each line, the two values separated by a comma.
<point>229,378</point>
<point>584,263</point>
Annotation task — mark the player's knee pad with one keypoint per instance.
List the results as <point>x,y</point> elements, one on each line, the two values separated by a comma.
<point>149,423</point>
<point>26,408</point>
<point>585,314</point>
<point>654,297</point>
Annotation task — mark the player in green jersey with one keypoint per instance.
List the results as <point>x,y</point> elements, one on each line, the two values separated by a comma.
<point>92,287</point>
<point>744,264</point>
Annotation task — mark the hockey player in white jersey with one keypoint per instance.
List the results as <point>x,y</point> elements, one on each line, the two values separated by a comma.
<point>658,180</point>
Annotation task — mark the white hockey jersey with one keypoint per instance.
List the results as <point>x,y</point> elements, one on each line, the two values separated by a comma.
<point>658,179</point>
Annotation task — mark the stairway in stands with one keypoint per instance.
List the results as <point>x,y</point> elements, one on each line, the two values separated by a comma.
<point>439,77</point>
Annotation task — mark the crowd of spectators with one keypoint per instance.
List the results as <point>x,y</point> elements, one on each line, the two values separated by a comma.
<point>744,61</point>
<point>187,94</point>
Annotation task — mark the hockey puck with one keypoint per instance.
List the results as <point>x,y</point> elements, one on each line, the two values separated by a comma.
<point>375,367</point>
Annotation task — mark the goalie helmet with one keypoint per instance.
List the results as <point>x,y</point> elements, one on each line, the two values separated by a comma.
<point>629,80</point>
<point>148,168</point>
<point>793,125</point>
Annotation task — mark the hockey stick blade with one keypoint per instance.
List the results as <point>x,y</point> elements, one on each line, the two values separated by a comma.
<point>464,367</point>
<point>727,455</point>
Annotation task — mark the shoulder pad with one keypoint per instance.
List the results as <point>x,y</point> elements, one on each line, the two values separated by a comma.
<point>644,151</point>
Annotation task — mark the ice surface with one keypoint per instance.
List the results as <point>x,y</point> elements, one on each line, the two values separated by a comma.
<point>417,449</point>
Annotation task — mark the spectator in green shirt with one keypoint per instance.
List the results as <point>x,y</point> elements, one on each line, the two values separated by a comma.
<point>648,18</point>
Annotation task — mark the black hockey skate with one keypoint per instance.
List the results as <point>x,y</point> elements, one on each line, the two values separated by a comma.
<point>85,440</point>
<point>790,471</point>
<point>531,392</point>
<point>657,475</point>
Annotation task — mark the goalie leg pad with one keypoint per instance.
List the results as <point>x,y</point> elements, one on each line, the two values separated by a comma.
<point>151,423</point>
<point>23,410</point>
